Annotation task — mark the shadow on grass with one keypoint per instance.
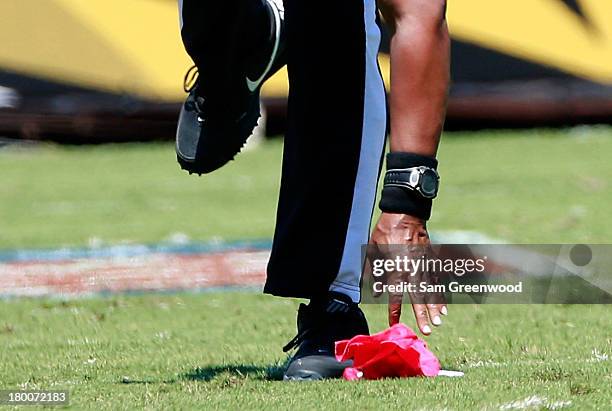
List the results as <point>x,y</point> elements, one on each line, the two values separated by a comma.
<point>228,373</point>
<point>272,372</point>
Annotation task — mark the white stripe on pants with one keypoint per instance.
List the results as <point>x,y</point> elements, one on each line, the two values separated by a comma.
<point>372,146</point>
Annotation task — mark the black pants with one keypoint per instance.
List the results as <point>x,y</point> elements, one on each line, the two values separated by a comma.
<point>333,146</point>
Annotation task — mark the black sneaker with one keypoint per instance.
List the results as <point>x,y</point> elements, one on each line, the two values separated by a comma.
<point>222,108</point>
<point>320,325</point>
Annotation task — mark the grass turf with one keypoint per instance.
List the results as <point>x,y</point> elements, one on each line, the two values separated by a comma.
<point>222,350</point>
<point>536,186</point>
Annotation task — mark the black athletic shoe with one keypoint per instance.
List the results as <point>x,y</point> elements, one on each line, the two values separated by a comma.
<point>222,108</point>
<point>320,325</point>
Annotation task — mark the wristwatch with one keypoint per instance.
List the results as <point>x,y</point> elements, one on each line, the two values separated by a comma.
<point>422,179</point>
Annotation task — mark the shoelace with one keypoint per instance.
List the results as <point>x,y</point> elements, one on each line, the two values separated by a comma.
<point>297,340</point>
<point>189,83</point>
<point>191,79</point>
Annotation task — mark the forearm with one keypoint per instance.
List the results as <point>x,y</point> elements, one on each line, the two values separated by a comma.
<point>420,74</point>
<point>420,60</point>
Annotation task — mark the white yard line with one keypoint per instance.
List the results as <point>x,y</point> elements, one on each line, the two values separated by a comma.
<point>534,402</point>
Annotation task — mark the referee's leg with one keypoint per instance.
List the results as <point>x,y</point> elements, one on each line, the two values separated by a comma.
<point>333,148</point>
<point>332,157</point>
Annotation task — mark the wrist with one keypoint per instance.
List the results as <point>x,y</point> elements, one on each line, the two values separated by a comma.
<point>411,183</point>
<point>403,159</point>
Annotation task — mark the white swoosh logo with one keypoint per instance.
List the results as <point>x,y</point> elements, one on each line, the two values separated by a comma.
<point>254,85</point>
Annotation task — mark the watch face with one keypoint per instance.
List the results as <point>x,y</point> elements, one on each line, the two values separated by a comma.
<point>429,183</point>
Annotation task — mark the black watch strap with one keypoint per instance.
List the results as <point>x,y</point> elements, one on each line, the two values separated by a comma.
<point>411,179</point>
<point>400,200</point>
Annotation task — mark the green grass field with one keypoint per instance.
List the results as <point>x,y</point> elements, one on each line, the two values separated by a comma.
<point>222,350</point>
<point>536,186</point>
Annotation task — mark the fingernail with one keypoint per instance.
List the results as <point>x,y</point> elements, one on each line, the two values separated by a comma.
<point>426,329</point>
<point>444,311</point>
<point>436,320</point>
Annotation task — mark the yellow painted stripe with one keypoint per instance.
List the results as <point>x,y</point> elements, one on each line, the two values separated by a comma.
<point>146,33</point>
<point>41,38</point>
<point>544,31</point>
<point>134,46</point>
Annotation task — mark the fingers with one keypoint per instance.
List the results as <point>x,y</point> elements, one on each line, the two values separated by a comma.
<point>433,310</point>
<point>368,269</point>
<point>436,303</point>
<point>395,308</point>
<point>410,231</point>
<point>436,306</point>
<point>422,318</point>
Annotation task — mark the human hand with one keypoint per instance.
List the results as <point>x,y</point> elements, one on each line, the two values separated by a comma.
<point>403,229</point>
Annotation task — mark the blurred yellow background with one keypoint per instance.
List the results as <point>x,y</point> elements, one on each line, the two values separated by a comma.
<point>134,46</point>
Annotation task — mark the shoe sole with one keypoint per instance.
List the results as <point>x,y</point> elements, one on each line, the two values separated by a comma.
<point>305,377</point>
<point>315,368</point>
